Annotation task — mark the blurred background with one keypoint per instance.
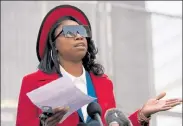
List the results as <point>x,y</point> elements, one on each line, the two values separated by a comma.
<point>139,42</point>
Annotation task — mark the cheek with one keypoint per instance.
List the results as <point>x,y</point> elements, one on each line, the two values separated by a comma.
<point>86,43</point>
<point>63,45</point>
<point>60,45</point>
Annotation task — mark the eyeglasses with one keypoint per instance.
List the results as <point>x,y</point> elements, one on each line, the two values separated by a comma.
<point>71,31</point>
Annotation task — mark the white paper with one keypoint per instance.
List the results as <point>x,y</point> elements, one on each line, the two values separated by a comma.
<point>60,93</point>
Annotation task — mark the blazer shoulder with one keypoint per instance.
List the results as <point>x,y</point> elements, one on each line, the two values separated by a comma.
<point>28,82</point>
<point>33,75</point>
<point>40,75</point>
<point>105,77</point>
<point>103,80</point>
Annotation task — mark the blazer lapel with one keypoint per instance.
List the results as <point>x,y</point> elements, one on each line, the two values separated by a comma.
<point>91,92</point>
<point>96,84</point>
<point>93,87</point>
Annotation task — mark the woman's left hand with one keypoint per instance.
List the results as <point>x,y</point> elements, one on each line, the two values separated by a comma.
<point>155,105</point>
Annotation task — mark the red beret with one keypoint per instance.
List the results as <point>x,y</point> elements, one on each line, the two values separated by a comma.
<point>50,19</point>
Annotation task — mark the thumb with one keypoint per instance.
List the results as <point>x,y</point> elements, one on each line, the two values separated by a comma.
<point>160,96</point>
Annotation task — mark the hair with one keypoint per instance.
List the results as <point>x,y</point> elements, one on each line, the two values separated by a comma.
<point>50,64</point>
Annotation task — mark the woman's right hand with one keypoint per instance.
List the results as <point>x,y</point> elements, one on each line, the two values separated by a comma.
<point>58,114</point>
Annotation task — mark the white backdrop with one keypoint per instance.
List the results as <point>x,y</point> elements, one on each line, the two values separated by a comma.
<point>141,51</point>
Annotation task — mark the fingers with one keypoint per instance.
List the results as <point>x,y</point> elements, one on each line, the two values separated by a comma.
<point>170,104</point>
<point>165,108</point>
<point>180,100</point>
<point>60,109</point>
<point>55,116</point>
<point>56,121</point>
<point>60,117</point>
<point>58,114</point>
<point>172,100</point>
<point>52,118</point>
<point>173,104</point>
<point>160,96</point>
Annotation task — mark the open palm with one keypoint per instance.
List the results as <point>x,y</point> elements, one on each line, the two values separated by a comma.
<point>155,105</point>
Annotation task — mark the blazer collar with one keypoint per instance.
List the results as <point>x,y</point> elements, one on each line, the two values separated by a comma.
<point>53,76</point>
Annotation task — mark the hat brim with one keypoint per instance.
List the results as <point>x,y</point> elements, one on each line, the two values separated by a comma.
<point>49,20</point>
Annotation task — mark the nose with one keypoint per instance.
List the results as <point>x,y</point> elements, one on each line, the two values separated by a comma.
<point>78,37</point>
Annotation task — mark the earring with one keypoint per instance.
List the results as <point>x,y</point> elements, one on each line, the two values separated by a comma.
<point>51,53</point>
<point>57,56</point>
<point>89,55</point>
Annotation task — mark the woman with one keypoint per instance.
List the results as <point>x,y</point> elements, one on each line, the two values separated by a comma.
<point>65,47</point>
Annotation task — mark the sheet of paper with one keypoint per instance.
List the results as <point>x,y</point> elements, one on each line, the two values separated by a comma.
<point>59,93</point>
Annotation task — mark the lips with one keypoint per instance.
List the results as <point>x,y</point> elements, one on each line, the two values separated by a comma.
<point>79,45</point>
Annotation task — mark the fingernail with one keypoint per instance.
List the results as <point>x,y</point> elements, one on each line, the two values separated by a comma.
<point>67,108</point>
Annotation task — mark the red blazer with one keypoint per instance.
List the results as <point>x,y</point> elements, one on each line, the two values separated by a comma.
<point>28,113</point>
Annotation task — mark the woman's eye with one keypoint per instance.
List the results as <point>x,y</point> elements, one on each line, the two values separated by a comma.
<point>70,34</point>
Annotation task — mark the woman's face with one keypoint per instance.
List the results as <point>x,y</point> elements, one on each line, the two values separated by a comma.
<point>73,48</point>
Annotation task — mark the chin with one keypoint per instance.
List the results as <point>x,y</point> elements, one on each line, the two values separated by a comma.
<point>78,56</point>
<point>81,56</point>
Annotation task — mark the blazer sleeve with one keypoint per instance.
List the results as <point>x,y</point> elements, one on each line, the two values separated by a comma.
<point>134,119</point>
<point>27,112</point>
